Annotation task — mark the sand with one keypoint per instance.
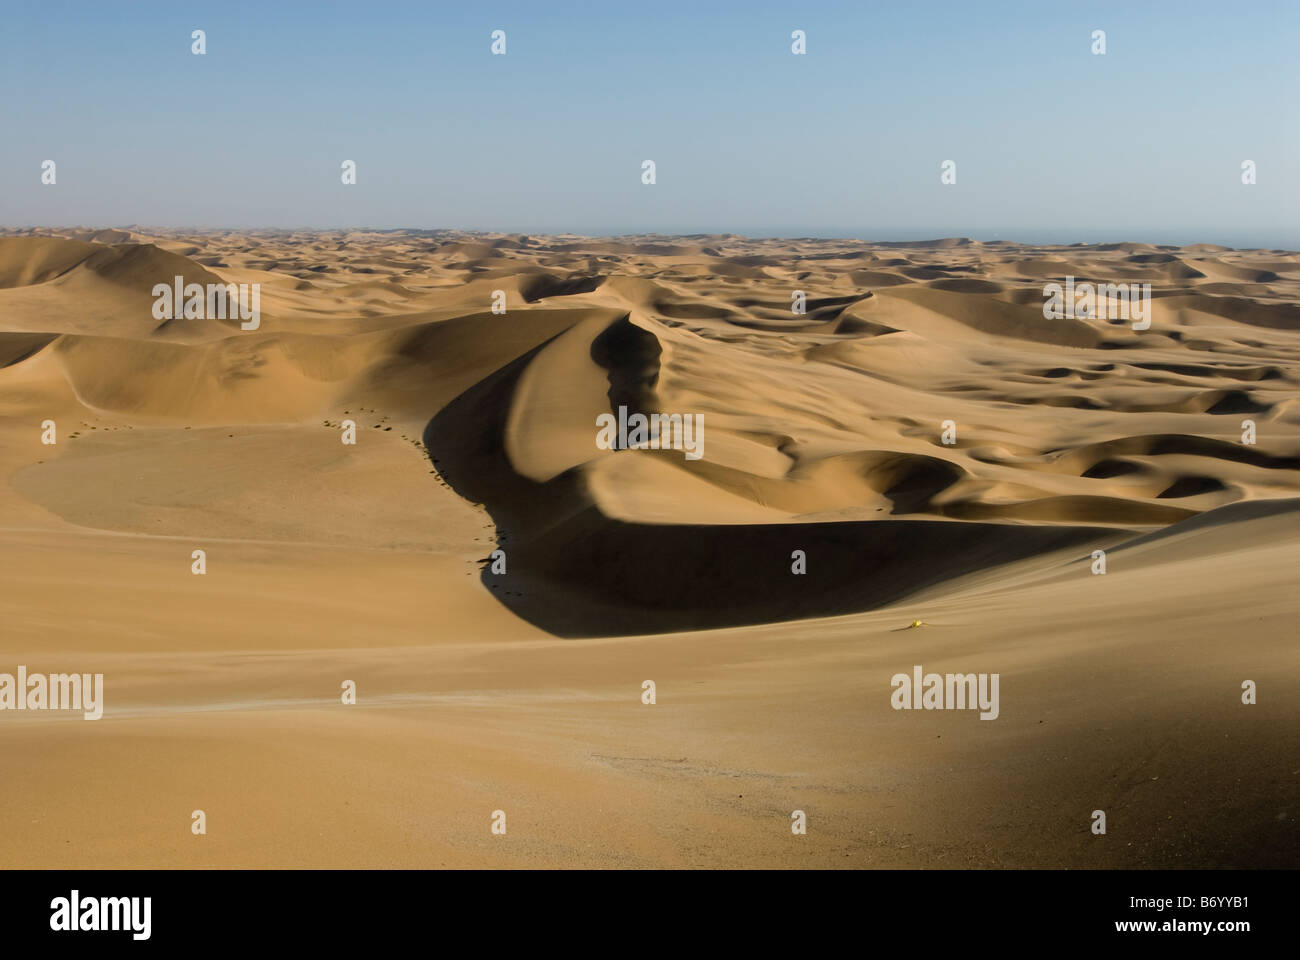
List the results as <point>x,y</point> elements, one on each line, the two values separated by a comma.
<point>522,692</point>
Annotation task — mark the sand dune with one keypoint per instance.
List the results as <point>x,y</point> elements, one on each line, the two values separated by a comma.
<point>824,436</point>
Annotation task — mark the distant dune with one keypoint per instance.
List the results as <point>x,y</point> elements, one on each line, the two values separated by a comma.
<point>824,436</point>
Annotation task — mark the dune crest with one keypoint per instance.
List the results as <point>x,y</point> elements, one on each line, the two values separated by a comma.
<point>916,403</point>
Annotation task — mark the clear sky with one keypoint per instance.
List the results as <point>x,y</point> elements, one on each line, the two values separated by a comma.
<point>1051,142</point>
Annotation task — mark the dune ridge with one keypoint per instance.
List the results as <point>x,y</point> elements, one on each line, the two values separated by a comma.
<point>820,424</point>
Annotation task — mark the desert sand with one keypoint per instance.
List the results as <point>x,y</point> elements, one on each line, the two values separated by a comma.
<point>522,692</point>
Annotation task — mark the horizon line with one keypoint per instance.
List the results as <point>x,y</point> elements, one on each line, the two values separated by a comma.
<point>844,236</point>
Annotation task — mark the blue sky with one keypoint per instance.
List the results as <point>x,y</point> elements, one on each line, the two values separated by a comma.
<point>1050,141</point>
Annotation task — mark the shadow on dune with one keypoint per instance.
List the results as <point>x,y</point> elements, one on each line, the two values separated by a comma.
<point>574,571</point>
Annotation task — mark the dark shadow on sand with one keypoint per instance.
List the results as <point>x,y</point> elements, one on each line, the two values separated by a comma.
<point>575,572</point>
